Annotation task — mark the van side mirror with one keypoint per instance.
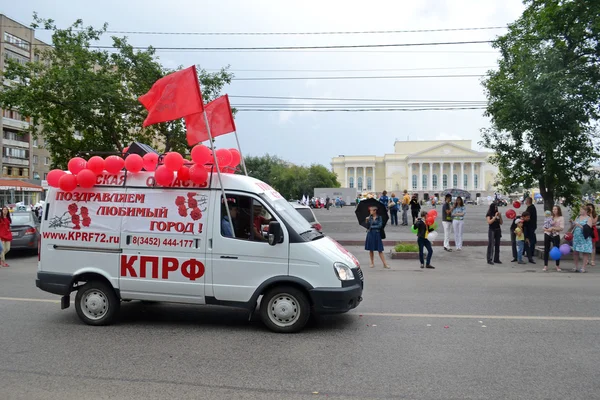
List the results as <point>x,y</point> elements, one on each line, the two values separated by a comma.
<point>275,233</point>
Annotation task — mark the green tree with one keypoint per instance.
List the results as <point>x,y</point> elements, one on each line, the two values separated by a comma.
<point>543,99</point>
<point>76,88</point>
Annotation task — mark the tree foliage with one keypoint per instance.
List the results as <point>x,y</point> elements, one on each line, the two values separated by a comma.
<point>543,98</point>
<point>74,87</point>
<point>292,181</point>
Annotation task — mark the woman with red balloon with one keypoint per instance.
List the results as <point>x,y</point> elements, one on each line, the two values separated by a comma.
<point>458,220</point>
<point>494,220</point>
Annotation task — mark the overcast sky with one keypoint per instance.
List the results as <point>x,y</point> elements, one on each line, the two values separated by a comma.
<point>308,137</point>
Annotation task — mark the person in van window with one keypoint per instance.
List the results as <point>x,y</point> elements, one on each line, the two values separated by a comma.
<point>228,227</point>
<point>5,234</point>
<point>257,221</point>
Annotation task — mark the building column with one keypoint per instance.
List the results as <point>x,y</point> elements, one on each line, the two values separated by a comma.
<point>373,178</point>
<point>482,177</point>
<point>473,175</point>
<point>420,178</point>
<point>461,178</point>
<point>364,181</point>
<point>451,183</point>
<point>430,183</point>
<point>346,174</point>
<point>410,174</point>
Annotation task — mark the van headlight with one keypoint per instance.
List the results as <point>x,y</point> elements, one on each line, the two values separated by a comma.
<point>343,272</point>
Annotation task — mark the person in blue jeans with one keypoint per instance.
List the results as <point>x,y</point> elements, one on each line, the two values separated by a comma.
<point>422,240</point>
<point>393,207</point>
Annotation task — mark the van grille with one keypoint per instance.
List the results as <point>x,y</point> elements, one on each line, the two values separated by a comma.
<point>359,274</point>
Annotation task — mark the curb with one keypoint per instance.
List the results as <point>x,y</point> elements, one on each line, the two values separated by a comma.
<point>434,243</point>
<point>404,256</point>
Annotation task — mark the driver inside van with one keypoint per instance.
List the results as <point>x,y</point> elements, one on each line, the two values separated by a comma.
<point>228,227</point>
<point>258,221</point>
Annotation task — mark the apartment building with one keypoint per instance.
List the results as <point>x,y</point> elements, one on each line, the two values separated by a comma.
<point>24,158</point>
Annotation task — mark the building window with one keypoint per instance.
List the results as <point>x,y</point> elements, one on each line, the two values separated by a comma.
<point>414,182</point>
<point>16,41</point>
<point>46,160</point>
<point>476,182</point>
<point>369,183</point>
<point>10,55</point>
<point>35,160</point>
<point>9,171</point>
<point>466,180</point>
<point>45,175</point>
<point>434,181</point>
<point>17,153</point>
<point>424,181</point>
<point>455,181</point>
<point>36,175</point>
<point>351,182</point>
<point>445,182</point>
<point>360,183</point>
<point>35,143</point>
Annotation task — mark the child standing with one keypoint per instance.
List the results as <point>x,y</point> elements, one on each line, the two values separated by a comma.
<point>520,238</point>
<point>422,233</point>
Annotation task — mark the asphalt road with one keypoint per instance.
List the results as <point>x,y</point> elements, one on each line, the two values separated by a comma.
<point>462,331</point>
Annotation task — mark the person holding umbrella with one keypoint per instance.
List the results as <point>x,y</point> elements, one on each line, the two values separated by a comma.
<point>372,215</point>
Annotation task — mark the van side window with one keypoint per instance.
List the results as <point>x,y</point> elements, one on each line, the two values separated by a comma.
<point>250,219</point>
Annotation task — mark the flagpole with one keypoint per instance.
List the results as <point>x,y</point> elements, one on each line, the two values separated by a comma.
<point>212,148</point>
<point>241,154</point>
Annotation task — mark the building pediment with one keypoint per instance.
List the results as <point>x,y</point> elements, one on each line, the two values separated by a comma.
<point>447,150</point>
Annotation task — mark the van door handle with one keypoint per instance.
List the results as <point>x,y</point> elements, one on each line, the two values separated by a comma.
<point>229,257</point>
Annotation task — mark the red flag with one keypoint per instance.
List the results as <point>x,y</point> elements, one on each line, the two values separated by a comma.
<point>173,96</point>
<point>220,119</point>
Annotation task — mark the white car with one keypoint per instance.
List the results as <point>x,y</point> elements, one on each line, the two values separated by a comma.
<point>308,214</point>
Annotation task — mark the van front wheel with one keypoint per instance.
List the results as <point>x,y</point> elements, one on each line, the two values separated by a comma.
<point>284,309</point>
<point>96,303</point>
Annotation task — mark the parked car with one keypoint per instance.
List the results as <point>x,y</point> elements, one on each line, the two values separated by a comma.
<point>308,214</point>
<point>25,229</point>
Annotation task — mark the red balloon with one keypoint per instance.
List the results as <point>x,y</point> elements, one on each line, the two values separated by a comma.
<point>114,164</point>
<point>198,174</point>
<point>86,178</point>
<point>125,150</point>
<point>96,165</point>
<point>511,214</point>
<point>183,174</point>
<point>236,157</point>
<point>164,176</point>
<point>134,163</point>
<point>68,182</point>
<point>54,176</point>
<point>201,154</point>
<point>150,161</point>
<point>76,164</point>
<point>432,213</point>
<point>173,161</point>
<point>568,236</point>
<point>517,204</point>
<point>223,157</point>
<point>430,221</point>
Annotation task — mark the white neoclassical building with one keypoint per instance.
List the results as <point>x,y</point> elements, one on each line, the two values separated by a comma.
<point>424,167</point>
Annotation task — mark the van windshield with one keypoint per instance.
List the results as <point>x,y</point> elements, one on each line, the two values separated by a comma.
<point>289,213</point>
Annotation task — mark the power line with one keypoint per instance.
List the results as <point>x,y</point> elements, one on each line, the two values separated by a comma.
<point>285,33</point>
<point>348,70</point>
<point>338,99</point>
<point>360,109</point>
<point>286,78</point>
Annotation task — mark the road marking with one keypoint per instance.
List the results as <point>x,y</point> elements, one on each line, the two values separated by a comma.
<point>466,316</point>
<point>401,315</point>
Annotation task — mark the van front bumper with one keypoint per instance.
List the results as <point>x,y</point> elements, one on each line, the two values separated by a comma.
<point>54,283</point>
<point>336,300</point>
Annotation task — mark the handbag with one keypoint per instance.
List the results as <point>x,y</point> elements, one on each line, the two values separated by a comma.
<point>391,204</point>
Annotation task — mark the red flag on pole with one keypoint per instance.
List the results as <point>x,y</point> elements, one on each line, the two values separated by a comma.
<point>220,119</point>
<point>173,96</point>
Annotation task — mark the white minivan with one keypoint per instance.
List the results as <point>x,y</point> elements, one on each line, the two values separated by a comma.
<point>128,239</point>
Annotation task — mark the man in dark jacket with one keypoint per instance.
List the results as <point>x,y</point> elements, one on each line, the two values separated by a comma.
<point>530,227</point>
<point>415,207</point>
<point>422,233</point>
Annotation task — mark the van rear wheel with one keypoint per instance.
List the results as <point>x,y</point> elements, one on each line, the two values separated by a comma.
<point>96,303</point>
<point>284,309</point>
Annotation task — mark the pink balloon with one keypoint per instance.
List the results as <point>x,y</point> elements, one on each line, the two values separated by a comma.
<point>164,176</point>
<point>86,178</point>
<point>236,157</point>
<point>223,157</point>
<point>201,154</point>
<point>150,161</point>
<point>125,150</point>
<point>183,174</point>
<point>173,161</point>
<point>198,174</point>
<point>114,164</point>
<point>54,176</point>
<point>96,165</point>
<point>134,163</point>
<point>76,164</point>
<point>67,182</point>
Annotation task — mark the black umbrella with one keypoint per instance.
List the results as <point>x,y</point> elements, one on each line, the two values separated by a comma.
<point>362,211</point>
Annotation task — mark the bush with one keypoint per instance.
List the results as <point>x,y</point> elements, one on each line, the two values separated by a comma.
<point>406,248</point>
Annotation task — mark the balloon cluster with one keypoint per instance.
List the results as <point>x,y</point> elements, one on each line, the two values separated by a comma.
<point>557,252</point>
<point>512,214</point>
<point>429,220</point>
<point>84,173</point>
